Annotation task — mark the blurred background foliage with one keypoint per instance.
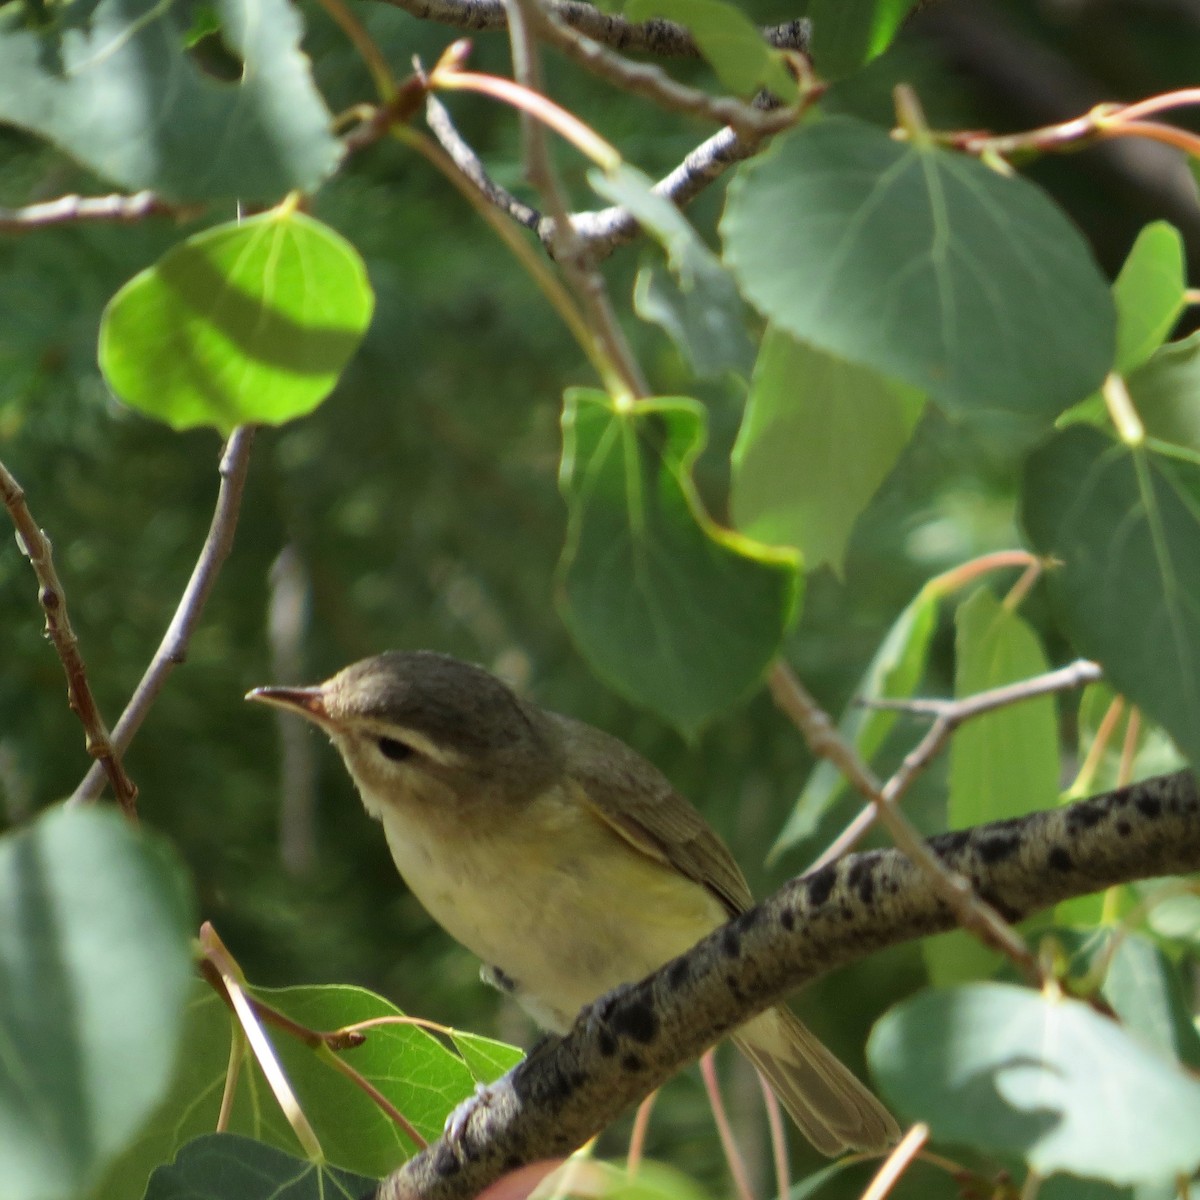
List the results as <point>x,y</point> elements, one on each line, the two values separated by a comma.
<point>419,505</point>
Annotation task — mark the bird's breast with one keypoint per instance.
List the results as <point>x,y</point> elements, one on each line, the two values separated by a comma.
<point>551,896</point>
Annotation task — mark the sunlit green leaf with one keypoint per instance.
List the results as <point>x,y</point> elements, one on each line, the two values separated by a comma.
<point>923,265</point>
<point>247,322</point>
<point>818,438</point>
<point>95,960</point>
<point>1148,294</point>
<point>677,614</point>
<point>1010,1072</point>
<point>1125,525</point>
<point>730,41</point>
<point>121,86</point>
<point>848,33</point>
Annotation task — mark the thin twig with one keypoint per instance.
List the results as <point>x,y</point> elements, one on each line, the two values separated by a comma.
<point>897,1163</point>
<point>71,209</point>
<point>779,1148</point>
<point>172,650</point>
<point>737,1164</point>
<point>526,19</point>
<point>949,715</point>
<point>35,545</point>
<point>973,913</point>
<point>664,39</point>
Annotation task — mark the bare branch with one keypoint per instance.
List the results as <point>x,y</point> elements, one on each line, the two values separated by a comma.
<point>634,1039</point>
<point>664,39</point>
<point>172,650</point>
<point>974,914</point>
<point>950,715</point>
<point>35,545</point>
<point>69,209</point>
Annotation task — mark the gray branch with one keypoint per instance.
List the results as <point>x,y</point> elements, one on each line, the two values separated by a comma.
<point>633,1040</point>
<point>664,39</point>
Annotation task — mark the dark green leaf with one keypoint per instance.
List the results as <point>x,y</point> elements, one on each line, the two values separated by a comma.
<point>1164,391</point>
<point>225,1166</point>
<point>95,962</point>
<point>113,83</point>
<point>676,613</point>
<point>924,266</point>
<point>1010,1072</point>
<point>1125,524</point>
<point>248,322</point>
<point>849,33</point>
<point>818,438</point>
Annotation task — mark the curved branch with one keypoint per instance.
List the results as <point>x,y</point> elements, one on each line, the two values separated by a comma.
<point>634,1039</point>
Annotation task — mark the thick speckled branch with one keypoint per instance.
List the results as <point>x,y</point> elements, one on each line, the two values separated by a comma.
<point>636,1038</point>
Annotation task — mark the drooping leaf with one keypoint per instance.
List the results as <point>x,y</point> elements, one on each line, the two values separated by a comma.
<point>818,438</point>
<point>120,86</point>
<point>923,265</point>
<point>1148,294</point>
<point>730,41</point>
<point>1003,763</point>
<point>247,322</point>
<point>1125,524</point>
<point>227,1166</point>
<point>1009,1072</point>
<point>95,961</point>
<point>704,313</point>
<point>677,614</point>
<point>894,672</point>
<point>848,33</point>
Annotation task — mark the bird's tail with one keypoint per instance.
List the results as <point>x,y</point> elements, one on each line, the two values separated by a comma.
<point>829,1105</point>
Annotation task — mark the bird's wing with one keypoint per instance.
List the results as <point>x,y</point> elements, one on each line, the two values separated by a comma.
<point>635,800</point>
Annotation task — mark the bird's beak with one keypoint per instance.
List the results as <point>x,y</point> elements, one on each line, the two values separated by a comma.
<point>307,702</point>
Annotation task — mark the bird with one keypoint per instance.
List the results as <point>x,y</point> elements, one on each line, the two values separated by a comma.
<point>559,856</point>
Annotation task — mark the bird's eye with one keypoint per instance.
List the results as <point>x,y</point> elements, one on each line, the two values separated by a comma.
<point>394,749</point>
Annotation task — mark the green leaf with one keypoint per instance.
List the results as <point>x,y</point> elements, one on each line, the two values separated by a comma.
<point>1148,294</point>
<point>818,438</point>
<point>421,1076</point>
<point>113,83</point>
<point>1009,1072</point>
<point>1164,391</point>
<point>922,265</point>
<point>729,40</point>
<point>677,614</point>
<point>1004,763</point>
<point>486,1058</point>
<point>248,322</point>
<point>849,33</point>
<point>1125,524</point>
<point>1172,915</point>
<point>704,315</point>
<point>95,962</point>
<point>894,672</point>
<point>224,1166</point>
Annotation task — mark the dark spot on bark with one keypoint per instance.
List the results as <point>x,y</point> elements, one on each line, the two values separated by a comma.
<point>678,974</point>
<point>1124,829</point>
<point>997,848</point>
<point>735,987</point>
<point>1149,806</point>
<point>1085,816</point>
<point>820,885</point>
<point>446,1161</point>
<point>631,1062</point>
<point>1060,859</point>
<point>49,598</point>
<point>748,920</point>
<point>1009,913</point>
<point>635,1019</point>
<point>513,1161</point>
<point>946,844</point>
<point>606,1043</point>
<point>787,919</point>
<point>862,879</point>
<point>731,944</point>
